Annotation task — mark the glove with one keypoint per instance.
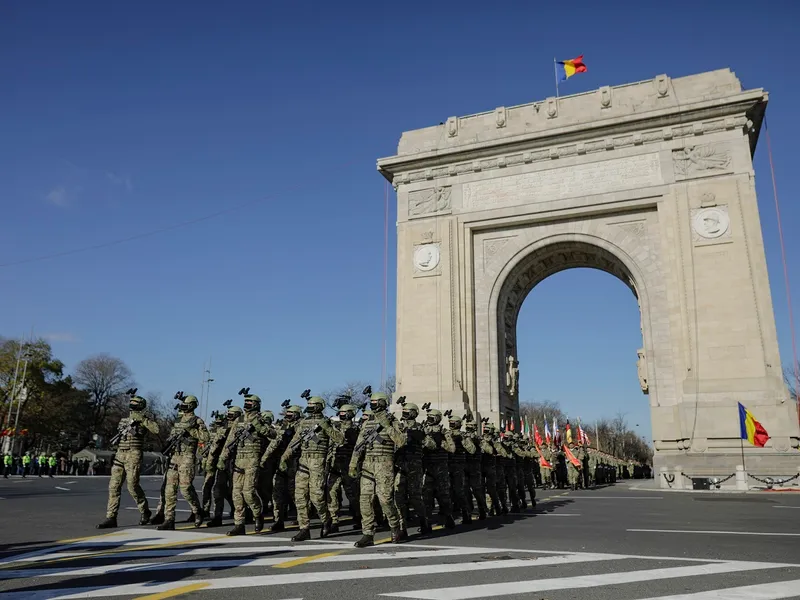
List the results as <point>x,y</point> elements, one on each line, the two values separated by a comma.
<point>353,472</point>
<point>283,467</point>
<point>221,465</point>
<point>383,418</point>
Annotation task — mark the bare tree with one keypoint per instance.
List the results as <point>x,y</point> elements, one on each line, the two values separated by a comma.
<point>390,385</point>
<point>354,389</point>
<point>790,377</point>
<point>104,378</point>
<point>163,413</point>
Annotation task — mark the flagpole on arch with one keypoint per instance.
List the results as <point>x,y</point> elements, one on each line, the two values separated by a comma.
<point>555,72</point>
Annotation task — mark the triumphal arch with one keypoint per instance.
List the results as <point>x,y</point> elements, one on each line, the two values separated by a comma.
<point>652,182</point>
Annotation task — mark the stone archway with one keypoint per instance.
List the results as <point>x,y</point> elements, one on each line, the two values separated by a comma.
<point>549,258</point>
<point>656,191</point>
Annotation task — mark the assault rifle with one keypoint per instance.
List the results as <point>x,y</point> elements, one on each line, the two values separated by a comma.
<point>242,433</point>
<point>374,435</point>
<point>123,431</point>
<point>172,442</point>
<point>308,435</point>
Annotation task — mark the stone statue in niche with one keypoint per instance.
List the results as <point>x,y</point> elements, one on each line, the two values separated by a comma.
<point>641,368</point>
<point>512,375</point>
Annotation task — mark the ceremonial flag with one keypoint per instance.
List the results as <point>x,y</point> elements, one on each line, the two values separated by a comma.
<point>570,456</point>
<point>569,433</point>
<point>502,424</point>
<point>570,67</point>
<point>538,438</point>
<point>544,463</point>
<point>751,430</point>
<point>556,435</point>
<point>547,437</point>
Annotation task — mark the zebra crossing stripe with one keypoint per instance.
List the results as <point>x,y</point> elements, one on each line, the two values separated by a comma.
<point>581,581</point>
<point>314,577</point>
<point>761,591</point>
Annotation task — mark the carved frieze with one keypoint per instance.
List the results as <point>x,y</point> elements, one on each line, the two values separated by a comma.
<point>635,228</point>
<point>429,201</point>
<point>700,161</point>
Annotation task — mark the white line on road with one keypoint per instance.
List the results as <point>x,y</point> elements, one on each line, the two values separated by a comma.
<point>70,482</point>
<point>183,510</point>
<point>514,588</point>
<point>786,507</point>
<point>593,497</point>
<point>63,489</point>
<point>23,481</point>
<point>557,514</point>
<point>767,533</point>
<point>762,591</point>
<point>326,576</point>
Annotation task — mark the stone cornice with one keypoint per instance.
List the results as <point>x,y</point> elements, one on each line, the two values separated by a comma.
<point>638,129</point>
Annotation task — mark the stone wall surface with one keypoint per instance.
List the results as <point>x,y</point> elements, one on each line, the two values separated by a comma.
<point>652,182</point>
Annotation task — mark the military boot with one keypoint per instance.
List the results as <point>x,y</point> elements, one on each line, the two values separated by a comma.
<point>524,505</point>
<point>145,519</point>
<point>259,524</point>
<point>198,521</point>
<point>366,540</point>
<point>215,522</point>
<point>334,528</point>
<point>326,529</point>
<point>449,523</point>
<point>402,536</point>
<point>302,535</point>
<point>424,527</point>
<point>466,518</point>
<point>481,514</point>
<point>277,526</point>
<point>109,523</point>
<point>190,518</point>
<point>158,519</point>
<point>237,530</point>
<point>167,526</point>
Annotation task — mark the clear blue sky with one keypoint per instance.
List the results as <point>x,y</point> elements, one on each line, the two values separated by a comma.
<point>117,120</point>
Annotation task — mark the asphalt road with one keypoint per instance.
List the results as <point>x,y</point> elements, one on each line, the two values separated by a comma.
<point>614,543</point>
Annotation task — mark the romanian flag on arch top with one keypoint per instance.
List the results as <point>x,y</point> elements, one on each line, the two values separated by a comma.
<point>572,66</point>
<point>751,430</point>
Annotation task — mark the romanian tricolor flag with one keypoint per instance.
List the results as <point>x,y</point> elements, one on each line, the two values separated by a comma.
<point>572,66</point>
<point>751,430</point>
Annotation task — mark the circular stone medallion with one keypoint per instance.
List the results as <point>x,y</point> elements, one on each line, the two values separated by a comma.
<point>426,257</point>
<point>711,223</point>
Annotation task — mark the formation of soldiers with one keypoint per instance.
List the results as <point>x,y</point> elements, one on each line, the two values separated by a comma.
<point>392,470</point>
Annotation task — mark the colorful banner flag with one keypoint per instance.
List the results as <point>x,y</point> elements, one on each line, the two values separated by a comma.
<point>538,438</point>
<point>571,66</point>
<point>547,437</point>
<point>751,430</point>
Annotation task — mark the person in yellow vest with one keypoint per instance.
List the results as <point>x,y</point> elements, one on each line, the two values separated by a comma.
<point>26,464</point>
<point>42,464</point>
<point>7,460</point>
<point>51,464</point>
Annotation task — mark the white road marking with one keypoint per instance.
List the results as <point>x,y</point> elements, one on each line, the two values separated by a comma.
<point>767,533</point>
<point>23,481</point>
<point>582,581</point>
<point>593,497</point>
<point>762,591</point>
<point>786,507</point>
<point>183,510</point>
<point>233,563</point>
<point>70,482</point>
<point>63,489</point>
<point>557,514</point>
<point>321,577</point>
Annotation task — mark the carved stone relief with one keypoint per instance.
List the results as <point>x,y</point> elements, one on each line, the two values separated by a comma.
<point>429,201</point>
<point>636,228</point>
<point>512,376</point>
<point>641,368</point>
<point>711,223</point>
<point>699,161</point>
<point>426,258</point>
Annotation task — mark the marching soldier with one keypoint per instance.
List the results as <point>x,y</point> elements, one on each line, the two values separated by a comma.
<point>507,483</point>
<point>220,476</point>
<point>377,442</point>
<point>457,466</point>
<point>339,478</point>
<point>525,477</point>
<point>283,485</point>
<point>490,471</point>
<point>266,474</point>
<point>246,439</point>
<point>473,476</point>
<point>217,434</point>
<point>311,439</point>
<point>438,446</point>
<point>189,431</point>
<point>409,474</point>
<point>127,462</point>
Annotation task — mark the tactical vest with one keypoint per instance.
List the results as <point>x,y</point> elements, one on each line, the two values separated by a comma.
<point>474,459</point>
<point>488,454</point>
<point>376,448</point>
<point>440,455</point>
<point>344,451</point>
<point>314,447</point>
<point>217,443</point>
<point>415,435</point>
<point>459,456</point>
<point>281,442</point>
<point>252,445</point>
<point>133,440</point>
<point>186,445</point>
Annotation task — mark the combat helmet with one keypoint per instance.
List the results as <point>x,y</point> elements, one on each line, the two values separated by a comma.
<point>137,404</point>
<point>316,405</point>
<point>434,416</point>
<point>268,417</point>
<point>347,412</point>
<point>366,415</point>
<point>454,421</point>
<point>234,412</point>
<point>252,403</point>
<point>293,413</point>
<point>410,411</point>
<point>378,401</point>
<point>189,404</point>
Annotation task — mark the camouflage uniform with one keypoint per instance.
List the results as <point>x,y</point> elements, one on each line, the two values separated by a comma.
<point>312,438</point>
<point>182,464</point>
<point>573,473</point>
<point>547,472</point>
<point>214,477</point>
<point>266,473</point>
<point>283,484</point>
<point>409,476</point>
<point>525,476</point>
<point>473,477</point>
<point>457,465</point>
<point>438,446</point>
<point>339,478</point>
<point>377,469</point>
<point>489,470</point>
<point>127,463</point>
<point>246,440</point>
<point>506,474</point>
